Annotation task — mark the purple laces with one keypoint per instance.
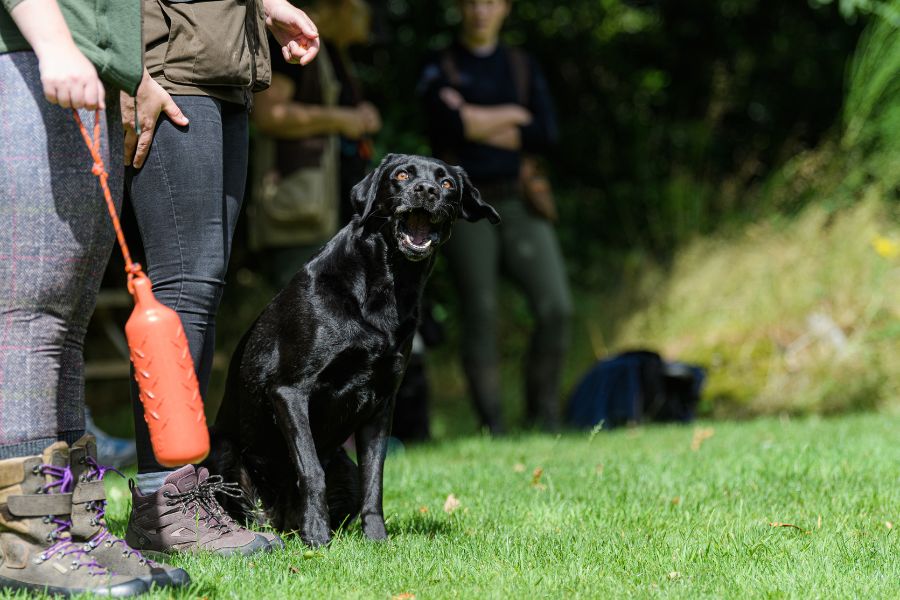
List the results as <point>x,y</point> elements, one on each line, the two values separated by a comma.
<point>63,482</point>
<point>98,507</point>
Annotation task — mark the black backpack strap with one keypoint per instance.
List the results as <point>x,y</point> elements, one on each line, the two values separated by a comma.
<point>451,72</point>
<point>521,74</point>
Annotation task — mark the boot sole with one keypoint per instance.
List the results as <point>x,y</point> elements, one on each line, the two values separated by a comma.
<point>122,590</point>
<point>171,578</point>
<point>259,545</point>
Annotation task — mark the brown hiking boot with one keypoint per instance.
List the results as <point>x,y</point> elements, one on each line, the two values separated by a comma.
<point>184,516</point>
<point>89,524</point>
<point>37,551</point>
<point>273,541</point>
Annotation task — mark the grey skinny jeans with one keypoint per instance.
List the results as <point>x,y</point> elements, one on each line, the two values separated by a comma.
<point>186,199</point>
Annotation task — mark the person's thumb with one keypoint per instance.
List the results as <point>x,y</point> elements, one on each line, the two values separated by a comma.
<point>174,113</point>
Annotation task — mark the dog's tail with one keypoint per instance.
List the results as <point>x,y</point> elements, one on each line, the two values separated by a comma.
<point>225,460</point>
<point>342,489</point>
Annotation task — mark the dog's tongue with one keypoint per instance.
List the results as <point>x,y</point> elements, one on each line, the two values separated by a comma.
<point>418,227</point>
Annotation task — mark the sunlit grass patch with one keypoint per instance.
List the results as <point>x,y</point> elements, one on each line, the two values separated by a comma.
<point>772,508</point>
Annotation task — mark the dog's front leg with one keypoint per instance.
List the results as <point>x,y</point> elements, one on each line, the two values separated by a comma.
<point>371,444</point>
<point>292,409</point>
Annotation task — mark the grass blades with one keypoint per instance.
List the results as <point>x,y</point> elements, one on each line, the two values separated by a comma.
<point>772,508</point>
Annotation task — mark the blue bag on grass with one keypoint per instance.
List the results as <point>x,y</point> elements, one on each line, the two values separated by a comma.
<point>635,387</point>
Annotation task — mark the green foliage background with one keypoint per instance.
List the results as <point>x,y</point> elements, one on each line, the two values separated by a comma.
<point>704,144</point>
<point>670,111</point>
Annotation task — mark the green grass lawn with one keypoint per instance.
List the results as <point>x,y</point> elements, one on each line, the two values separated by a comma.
<point>630,513</point>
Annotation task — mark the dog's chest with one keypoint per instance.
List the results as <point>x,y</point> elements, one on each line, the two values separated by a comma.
<point>356,385</point>
<point>374,364</point>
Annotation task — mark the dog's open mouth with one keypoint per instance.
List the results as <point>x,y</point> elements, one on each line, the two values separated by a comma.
<point>416,233</point>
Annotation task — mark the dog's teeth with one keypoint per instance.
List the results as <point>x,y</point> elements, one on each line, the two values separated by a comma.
<point>426,244</point>
<point>408,238</point>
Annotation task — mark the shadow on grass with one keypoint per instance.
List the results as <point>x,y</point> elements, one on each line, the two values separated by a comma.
<point>421,524</point>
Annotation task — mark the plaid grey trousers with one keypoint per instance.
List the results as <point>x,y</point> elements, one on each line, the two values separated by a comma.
<point>55,240</point>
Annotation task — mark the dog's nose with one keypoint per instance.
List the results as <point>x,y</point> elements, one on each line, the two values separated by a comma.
<point>427,188</point>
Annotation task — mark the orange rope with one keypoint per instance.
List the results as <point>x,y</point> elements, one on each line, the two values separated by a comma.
<point>132,268</point>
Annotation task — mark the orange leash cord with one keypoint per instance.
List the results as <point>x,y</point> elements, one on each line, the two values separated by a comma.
<point>99,169</point>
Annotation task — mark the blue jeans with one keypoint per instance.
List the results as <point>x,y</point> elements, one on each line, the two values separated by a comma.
<point>186,200</point>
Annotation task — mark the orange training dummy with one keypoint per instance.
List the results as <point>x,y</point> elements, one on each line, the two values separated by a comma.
<point>165,375</point>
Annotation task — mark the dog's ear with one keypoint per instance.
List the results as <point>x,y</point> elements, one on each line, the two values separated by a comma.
<point>364,194</point>
<point>473,208</point>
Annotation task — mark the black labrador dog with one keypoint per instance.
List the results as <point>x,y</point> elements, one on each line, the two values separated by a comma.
<point>325,358</point>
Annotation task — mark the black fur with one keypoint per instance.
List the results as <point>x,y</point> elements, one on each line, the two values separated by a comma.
<point>323,361</point>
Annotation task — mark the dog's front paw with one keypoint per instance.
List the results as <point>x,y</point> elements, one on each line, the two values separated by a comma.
<point>315,532</point>
<point>373,527</point>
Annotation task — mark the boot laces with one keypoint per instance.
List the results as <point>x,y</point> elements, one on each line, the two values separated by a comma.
<point>96,473</point>
<point>203,498</point>
<point>62,483</point>
<point>213,485</point>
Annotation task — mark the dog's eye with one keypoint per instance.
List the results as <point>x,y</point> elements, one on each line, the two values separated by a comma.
<point>401,176</point>
<point>447,184</point>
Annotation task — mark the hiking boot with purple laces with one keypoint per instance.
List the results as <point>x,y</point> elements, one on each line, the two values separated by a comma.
<point>89,523</point>
<point>184,516</point>
<point>37,549</point>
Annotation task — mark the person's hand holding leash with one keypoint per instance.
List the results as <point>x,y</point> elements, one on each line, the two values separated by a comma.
<point>151,100</point>
<point>69,79</point>
<point>294,30</point>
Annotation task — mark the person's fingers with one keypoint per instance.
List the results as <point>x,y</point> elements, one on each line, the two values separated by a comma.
<point>311,51</point>
<point>90,96</point>
<point>307,26</point>
<point>63,97</point>
<point>174,113</point>
<point>297,52</point>
<point>130,145</point>
<point>286,53</point>
<point>51,93</point>
<point>101,95</point>
<point>143,148</point>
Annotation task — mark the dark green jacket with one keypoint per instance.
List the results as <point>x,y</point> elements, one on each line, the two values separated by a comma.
<point>108,32</point>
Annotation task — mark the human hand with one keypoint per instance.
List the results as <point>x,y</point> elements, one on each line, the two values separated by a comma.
<point>294,30</point>
<point>151,100</point>
<point>352,123</point>
<point>508,138</point>
<point>69,79</point>
<point>518,115</point>
<point>370,116</point>
<point>452,98</point>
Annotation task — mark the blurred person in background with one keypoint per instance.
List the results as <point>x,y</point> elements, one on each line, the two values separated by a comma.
<point>312,144</point>
<point>488,107</point>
